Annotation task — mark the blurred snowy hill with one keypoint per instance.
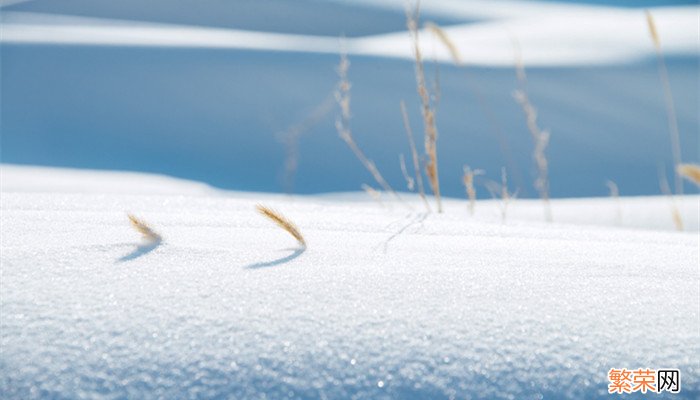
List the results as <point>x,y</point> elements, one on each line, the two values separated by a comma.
<point>206,90</point>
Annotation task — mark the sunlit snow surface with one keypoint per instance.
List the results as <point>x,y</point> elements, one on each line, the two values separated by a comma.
<point>386,302</point>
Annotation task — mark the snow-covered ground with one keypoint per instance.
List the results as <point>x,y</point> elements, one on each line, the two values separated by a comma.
<point>386,302</point>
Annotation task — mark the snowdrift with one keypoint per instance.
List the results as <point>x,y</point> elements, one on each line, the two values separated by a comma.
<point>386,302</point>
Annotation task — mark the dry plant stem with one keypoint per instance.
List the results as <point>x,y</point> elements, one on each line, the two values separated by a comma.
<point>410,182</point>
<point>427,111</point>
<point>670,107</point>
<point>342,124</point>
<point>539,137</point>
<point>444,38</point>
<point>291,137</point>
<point>497,130</point>
<point>468,180</point>
<point>665,189</point>
<point>446,41</point>
<point>505,195</point>
<point>541,140</point>
<point>282,222</point>
<point>436,93</point>
<point>690,172</point>
<point>414,156</point>
<point>615,194</point>
<point>144,229</point>
<point>500,190</point>
<point>373,193</point>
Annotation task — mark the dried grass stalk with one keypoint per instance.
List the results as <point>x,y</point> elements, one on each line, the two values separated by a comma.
<point>540,137</point>
<point>615,194</point>
<point>427,111</point>
<point>283,222</point>
<point>677,219</point>
<point>670,106</point>
<point>665,189</point>
<point>144,229</point>
<point>342,124</point>
<point>410,182</point>
<point>468,181</point>
<point>290,138</point>
<point>446,41</point>
<point>414,156</point>
<point>373,193</point>
<point>444,38</point>
<point>690,172</point>
<point>652,30</point>
<point>501,191</point>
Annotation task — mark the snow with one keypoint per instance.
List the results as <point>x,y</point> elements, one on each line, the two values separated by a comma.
<point>212,95</point>
<point>92,31</point>
<point>549,34</point>
<point>583,36</point>
<point>386,302</point>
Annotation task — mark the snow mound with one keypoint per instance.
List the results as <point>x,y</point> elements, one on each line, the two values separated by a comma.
<point>549,34</point>
<point>386,302</point>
